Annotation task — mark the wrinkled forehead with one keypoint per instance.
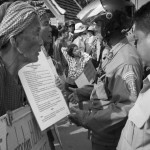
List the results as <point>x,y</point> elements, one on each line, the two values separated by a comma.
<point>34,26</point>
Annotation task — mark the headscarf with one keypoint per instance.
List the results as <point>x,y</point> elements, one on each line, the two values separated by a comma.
<point>14,19</point>
<point>41,10</point>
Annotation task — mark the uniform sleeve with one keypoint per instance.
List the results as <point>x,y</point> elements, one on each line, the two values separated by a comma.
<point>125,86</point>
<point>84,92</point>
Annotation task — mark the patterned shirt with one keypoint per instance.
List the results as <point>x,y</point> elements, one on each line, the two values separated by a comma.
<point>11,94</point>
<point>74,70</point>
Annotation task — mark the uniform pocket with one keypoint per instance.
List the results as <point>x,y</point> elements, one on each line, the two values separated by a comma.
<point>126,139</point>
<point>129,132</point>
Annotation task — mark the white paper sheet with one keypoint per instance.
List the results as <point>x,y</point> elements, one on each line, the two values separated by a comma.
<point>88,75</point>
<point>46,100</point>
<point>82,80</point>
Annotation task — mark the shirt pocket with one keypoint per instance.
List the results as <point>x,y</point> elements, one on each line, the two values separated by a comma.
<point>128,132</point>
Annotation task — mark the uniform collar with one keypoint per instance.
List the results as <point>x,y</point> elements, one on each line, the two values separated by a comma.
<point>115,49</point>
<point>118,46</point>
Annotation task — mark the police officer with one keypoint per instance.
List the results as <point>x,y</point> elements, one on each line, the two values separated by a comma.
<point>136,133</point>
<point>112,98</point>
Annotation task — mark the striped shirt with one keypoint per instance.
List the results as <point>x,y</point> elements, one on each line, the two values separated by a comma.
<point>11,93</point>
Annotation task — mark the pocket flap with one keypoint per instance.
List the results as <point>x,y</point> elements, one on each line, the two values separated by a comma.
<point>137,116</point>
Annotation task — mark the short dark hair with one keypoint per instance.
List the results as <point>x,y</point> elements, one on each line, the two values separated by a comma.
<point>142,18</point>
<point>92,32</point>
<point>62,30</point>
<point>70,49</point>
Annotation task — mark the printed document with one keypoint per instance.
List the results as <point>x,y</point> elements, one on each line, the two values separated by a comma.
<point>45,99</point>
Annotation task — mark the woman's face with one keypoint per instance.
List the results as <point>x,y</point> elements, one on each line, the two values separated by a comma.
<point>46,30</point>
<point>71,28</point>
<point>65,35</point>
<point>29,42</point>
<point>89,34</point>
<point>76,52</point>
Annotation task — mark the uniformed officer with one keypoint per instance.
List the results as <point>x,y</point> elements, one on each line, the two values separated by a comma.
<point>112,98</point>
<point>136,133</point>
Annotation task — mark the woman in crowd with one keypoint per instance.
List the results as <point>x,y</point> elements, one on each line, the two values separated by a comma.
<point>57,55</point>
<point>76,62</point>
<point>91,45</point>
<point>19,45</point>
<point>80,36</point>
<point>46,30</point>
<point>46,36</point>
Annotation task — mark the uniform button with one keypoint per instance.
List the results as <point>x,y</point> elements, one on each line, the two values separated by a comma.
<point>110,55</point>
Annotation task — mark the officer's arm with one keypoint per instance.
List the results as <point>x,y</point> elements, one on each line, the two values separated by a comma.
<point>84,92</point>
<point>126,84</point>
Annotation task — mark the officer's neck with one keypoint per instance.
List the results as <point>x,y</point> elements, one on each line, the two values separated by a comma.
<point>116,38</point>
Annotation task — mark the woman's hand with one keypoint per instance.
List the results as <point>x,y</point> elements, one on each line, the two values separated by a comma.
<point>73,98</point>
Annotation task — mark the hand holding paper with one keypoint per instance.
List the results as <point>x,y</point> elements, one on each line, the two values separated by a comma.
<point>45,99</point>
<point>73,98</point>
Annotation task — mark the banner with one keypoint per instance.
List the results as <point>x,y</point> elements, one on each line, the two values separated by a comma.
<point>23,133</point>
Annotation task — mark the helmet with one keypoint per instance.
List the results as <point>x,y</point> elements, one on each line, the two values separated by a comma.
<point>114,15</point>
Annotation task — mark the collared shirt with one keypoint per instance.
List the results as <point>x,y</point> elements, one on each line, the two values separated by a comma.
<point>140,112</point>
<point>122,84</point>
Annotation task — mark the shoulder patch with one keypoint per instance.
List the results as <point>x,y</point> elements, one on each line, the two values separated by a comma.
<point>130,79</point>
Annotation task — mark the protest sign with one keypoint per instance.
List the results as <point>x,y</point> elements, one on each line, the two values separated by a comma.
<point>45,99</point>
<point>88,75</point>
<point>23,133</point>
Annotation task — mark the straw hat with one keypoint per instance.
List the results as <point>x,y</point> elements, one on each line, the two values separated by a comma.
<point>79,27</point>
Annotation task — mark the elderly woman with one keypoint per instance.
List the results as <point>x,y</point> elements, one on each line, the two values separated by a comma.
<point>19,45</point>
<point>57,55</point>
<point>46,30</point>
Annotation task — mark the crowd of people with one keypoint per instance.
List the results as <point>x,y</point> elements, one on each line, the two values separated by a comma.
<point>118,98</point>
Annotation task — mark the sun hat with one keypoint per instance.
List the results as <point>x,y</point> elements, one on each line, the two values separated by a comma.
<point>79,27</point>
